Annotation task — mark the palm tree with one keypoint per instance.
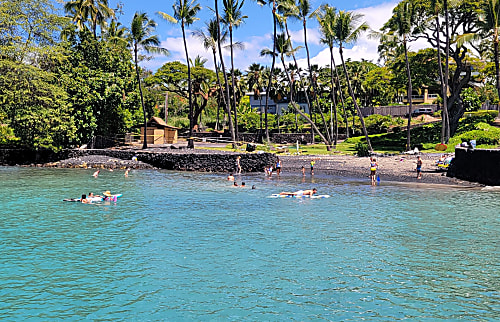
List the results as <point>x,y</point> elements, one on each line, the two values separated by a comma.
<point>305,12</point>
<point>287,8</point>
<point>271,71</point>
<point>95,11</point>
<point>348,31</point>
<point>115,33</point>
<point>226,82</point>
<point>198,61</point>
<point>141,37</point>
<point>185,14</point>
<point>445,128</point>
<point>326,19</point>
<point>283,48</point>
<point>255,83</point>
<point>209,40</point>
<point>400,27</point>
<point>233,18</point>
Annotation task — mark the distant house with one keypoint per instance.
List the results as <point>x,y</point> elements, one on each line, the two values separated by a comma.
<point>422,99</point>
<point>159,132</point>
<point>274,107</point>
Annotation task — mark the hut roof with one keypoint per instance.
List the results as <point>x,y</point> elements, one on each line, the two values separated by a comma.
<point>158,122</point>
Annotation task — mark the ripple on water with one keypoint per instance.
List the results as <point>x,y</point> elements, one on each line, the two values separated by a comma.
<point>188,246</point>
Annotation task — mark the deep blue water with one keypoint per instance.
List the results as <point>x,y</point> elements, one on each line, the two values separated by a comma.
<point>187,246</point>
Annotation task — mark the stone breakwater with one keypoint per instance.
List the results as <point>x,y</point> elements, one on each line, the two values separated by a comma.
<point>170,159</point>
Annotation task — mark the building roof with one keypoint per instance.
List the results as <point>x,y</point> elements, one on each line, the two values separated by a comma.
<point>159,122</point>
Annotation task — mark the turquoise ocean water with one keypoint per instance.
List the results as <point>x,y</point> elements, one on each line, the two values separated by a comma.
<point>189,247</point>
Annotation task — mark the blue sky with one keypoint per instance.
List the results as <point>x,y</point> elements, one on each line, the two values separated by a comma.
<point>256,32</point>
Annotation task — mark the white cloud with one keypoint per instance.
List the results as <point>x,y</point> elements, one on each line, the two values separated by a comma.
<point>364,48</point>
<point>313,36</point>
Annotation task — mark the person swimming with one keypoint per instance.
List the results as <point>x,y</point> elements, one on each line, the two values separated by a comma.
<point>300,193</point>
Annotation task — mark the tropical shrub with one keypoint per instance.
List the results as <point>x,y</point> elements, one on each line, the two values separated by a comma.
<point>362,149</point>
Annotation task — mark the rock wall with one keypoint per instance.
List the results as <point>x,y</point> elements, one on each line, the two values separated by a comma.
<point>476,165</point>
<point>182,161</point>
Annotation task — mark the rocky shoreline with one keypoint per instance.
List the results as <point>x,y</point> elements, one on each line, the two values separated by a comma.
<point>392,168</point>
<point>98,161</point>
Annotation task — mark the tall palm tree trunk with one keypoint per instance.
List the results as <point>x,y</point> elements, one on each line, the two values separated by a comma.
<point>497,64</point>
<point>313,83</point>
<point>335,131</point>
<point>272,70</point>
<point>221,92</point>
<point>444,93</point>
<point>342,101</point>
<point>313,126</point>
<point>358,110</point>
<point>233,85</point>
<point>145,141</point>
<point>410,90</point>
<point>446,74</point>
<point>191,121</point>
<point>227,101</point>
<point>308,102</point>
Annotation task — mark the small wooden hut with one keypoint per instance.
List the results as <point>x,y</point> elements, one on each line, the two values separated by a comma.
<point>159,132</point>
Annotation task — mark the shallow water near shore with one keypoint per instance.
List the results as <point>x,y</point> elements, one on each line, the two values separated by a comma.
<point>187,246</point>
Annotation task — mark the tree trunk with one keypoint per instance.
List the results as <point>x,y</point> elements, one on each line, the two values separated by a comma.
<point>410,90</point>
<point>313,83</point>
<point>446,74</point>
<point>272,70</point>
<point>497,65</point>
<point>334,101</point>
<point>191,121</point>
<point>233,85</point>
<point>444,91</point>
<point>228,108</point>
<point>308,102</point>
<point>145,141</point>
<point>313,126</point>
<point>361,118</point>
<point>221,93</point>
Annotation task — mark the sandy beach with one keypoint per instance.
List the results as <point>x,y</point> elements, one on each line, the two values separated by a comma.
<point>395,168</point>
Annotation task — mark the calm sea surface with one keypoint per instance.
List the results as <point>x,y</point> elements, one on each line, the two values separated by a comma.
<point>188,246</point>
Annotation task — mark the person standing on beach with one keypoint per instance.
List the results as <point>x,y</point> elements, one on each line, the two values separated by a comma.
<point>373,169</point>
<point>312,166</point>
<point>419,167</point>
<point>278,166</point>
<point>238,164</point>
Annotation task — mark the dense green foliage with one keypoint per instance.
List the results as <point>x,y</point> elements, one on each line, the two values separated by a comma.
<point>66,78</point>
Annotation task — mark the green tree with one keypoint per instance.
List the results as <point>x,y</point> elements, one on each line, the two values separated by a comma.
<point>35,106</point>
<point>490,26</point>
<point>173,75</point>
<point>347,30</point>
<point>209,38</point>
<point>460,19</point>
<point>141,37</point>
<point>283,48</point>
<point>185,14</point>
<point>400,25</point>
<point>29,30</point>
<point>304,13</point>
<point>233,18</point>
<point>96,12</point>
<point>255,80</point>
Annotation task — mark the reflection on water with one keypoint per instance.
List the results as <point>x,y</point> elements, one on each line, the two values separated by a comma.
<point>188,246</point>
